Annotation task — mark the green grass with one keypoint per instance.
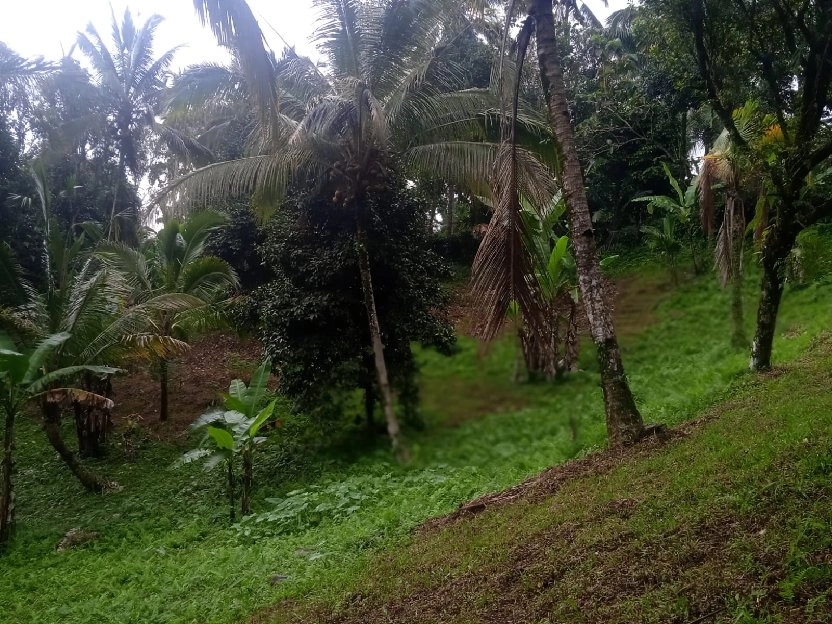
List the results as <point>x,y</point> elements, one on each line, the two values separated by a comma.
<point>165,553</point>
<point>731,523</point>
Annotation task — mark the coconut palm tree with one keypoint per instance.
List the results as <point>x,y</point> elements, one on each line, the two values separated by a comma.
<point>502,269</point>
<point>387,99</point>
<point>82,299</point>
<point>174,290</point>
<point>131,81</point>
<point>739,173</point>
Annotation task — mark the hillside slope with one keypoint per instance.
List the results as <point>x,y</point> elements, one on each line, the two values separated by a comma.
<point>730,520</point>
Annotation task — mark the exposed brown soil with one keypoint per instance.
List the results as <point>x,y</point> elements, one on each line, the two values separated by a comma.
<point>196,381</point>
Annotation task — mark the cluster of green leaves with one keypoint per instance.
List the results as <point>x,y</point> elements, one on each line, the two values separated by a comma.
<point>234,431</point>
<point>312,313</point>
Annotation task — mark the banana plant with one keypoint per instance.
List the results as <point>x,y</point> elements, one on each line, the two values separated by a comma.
<point>23,378</point>
<point>678,225</point>
<point>555,281</point>
<point>232,433</point>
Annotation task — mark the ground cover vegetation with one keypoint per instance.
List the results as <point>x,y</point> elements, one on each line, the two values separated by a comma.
<point>442,242</point>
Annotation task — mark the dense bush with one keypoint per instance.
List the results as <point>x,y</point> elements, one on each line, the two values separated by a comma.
<point>312,314</point>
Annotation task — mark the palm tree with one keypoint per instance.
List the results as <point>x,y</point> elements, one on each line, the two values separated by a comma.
<point>624,423</point>
<point>18,79</point>
<point>738,171</point>
<point>388,100</point>
<point>174,289</point>
<point>81,299</point>
<point>131,82</point>
<point>25,377</point>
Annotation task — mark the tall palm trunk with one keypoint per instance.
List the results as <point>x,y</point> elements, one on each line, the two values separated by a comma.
<point>393,429</point>
<point>624,424</point>
<point>7,493</point>
<point>52,425</point>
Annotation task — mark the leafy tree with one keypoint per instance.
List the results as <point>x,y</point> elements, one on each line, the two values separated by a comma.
<point>174,289</point>
<point>233,432</point>
<point>387,101</point>
<point>312,313</point>
<point>784,46</point>
<point>25,377</point>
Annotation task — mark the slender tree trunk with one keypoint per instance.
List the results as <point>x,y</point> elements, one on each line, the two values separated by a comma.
<point>230,476</point>
<point>247,480</point>
<point>624,424</point>
<point>163,389</point>
<point>738,338</point>
<point>770,295</point>
<point>393,429</point>
<point>451,207</point>
<point>52,426</point>
<point>778,244</point>
<point>7,494</point>
<point>369,406</point>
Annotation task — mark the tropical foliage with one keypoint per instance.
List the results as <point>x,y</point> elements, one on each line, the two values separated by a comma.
<point>233,433</point>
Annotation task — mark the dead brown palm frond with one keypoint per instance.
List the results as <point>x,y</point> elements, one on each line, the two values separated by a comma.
<point>728,252</point>
<point>705,189</point>
<point>76,395</point>
<point>502,271</point>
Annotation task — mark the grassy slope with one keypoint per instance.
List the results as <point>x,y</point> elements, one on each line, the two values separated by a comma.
<point>164,552</point>
<point>729,522</point>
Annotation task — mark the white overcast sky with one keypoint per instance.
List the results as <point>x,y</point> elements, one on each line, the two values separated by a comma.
<point>48,27</point>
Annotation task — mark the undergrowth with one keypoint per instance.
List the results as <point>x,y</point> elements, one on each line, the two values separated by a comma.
<point>164,552</point>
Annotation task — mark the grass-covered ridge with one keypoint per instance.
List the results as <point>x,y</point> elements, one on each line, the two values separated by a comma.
<point>728,522</point>
<point>164,551</point>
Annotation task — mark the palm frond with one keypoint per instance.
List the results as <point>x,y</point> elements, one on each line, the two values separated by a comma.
<point>235,26</point>
<point>68,396</point>
<point>339,35</point>
<point>229,179</point>
<point>207,277</point>
<point>502,269</point>
<point>138,319</point>
<point>152,345</point>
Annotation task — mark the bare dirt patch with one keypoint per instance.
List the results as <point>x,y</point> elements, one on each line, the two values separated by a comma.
<point>196,381</point>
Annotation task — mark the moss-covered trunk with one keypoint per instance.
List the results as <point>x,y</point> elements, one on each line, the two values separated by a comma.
<point>624,424</point>
<point>778,244</point>
<point>52,426</point>
<point>7,493</point>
